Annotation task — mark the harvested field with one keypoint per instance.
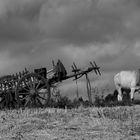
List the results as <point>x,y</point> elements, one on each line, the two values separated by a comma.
<point>116,123</point>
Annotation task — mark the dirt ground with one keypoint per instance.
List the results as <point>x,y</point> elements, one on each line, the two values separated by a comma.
<point>117,123</point>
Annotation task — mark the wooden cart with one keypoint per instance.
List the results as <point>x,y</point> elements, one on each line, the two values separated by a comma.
<point>33,89</point>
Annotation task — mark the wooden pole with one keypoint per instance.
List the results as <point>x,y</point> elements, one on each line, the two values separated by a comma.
<point>77,92</point>
<point>88,88</point>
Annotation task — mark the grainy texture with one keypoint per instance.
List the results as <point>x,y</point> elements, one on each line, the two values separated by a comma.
<point>117,123</point>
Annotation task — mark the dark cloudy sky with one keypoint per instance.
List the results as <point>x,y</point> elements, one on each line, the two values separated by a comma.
<point>33,32</point>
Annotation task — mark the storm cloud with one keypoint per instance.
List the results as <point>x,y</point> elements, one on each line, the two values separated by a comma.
<point>33,32</point>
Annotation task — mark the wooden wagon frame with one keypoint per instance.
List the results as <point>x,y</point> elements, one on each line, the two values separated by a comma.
<point>32,89</point>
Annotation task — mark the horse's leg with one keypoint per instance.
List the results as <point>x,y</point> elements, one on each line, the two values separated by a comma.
<point>119,92</point>
<point>132,94</point>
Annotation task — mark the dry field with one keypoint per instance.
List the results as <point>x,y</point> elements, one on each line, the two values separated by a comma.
<point>117,123</point>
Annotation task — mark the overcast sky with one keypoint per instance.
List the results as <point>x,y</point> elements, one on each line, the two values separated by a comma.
<point>33,32</point>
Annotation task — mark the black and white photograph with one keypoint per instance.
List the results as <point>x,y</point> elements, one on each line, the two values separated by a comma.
<point>69,69</point>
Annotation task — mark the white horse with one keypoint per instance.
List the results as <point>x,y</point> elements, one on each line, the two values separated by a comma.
<point>127,80</point>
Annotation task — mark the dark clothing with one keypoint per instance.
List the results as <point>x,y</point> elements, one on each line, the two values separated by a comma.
<point>60,71</point>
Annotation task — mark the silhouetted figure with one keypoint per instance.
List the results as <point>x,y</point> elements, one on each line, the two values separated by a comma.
<point>60,71</point>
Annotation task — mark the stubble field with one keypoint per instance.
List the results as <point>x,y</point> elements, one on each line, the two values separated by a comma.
<point>116,123</point>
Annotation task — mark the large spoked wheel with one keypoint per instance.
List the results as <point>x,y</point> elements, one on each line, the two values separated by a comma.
<point>32,91</point>
<point>7,100</point>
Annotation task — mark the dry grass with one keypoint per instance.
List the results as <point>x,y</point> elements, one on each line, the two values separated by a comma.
<point>117,123</point>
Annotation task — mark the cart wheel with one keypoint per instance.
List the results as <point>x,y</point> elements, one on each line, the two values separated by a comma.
<point>7,100</point>
<point>32,90</point>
